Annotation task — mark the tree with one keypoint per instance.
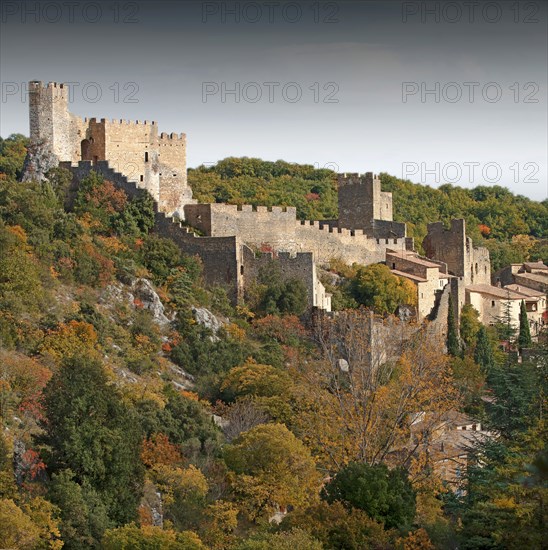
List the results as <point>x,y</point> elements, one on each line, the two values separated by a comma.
<point>524,338</point>
<point>274,295</point>
<point>272,468</point>
<point>469,325</point>
<point>504,322</point>
<point>90,431</point>
<point>17,530</point>
<point>517,390</point>
<point>99,199</point>
<point>131,537</point>
<point>269,387</point>
<point>385,495</point>
<point>354,403</point>
<point>291,540</point>
<point>375,286</point>
<point>160,257</point>
<point>84,516</point>
<point>241,416</point>
<point>453,342</point>
<point>338,527</point>
<point>183,494</point>
<point>483,353</point>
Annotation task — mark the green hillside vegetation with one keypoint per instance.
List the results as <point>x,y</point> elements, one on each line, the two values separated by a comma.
<point>114,416</point>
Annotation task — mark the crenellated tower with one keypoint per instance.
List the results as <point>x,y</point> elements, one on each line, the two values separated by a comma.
<point>153,161</point>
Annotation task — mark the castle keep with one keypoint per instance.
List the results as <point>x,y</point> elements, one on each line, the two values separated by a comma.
<point>237,241</point>
<point>153,161</point>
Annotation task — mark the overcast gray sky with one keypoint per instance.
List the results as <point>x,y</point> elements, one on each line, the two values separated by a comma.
<point>433,91</point>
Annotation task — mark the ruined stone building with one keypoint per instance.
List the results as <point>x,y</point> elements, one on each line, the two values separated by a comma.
<point>235,242</point>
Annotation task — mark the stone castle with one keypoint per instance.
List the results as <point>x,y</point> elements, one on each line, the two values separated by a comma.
<point>153,161</point>
<point>233,239</point>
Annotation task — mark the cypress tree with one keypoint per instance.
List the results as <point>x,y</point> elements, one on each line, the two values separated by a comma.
<point>453,342</point>
<point>483,354</point>
<point>524,338</point>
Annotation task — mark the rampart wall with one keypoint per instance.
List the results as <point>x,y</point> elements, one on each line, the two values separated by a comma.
<point>279,229</point>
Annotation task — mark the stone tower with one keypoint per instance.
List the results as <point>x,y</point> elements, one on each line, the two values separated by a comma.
<point>155,162</point>
<point>453,247</point>
<point>361,201</point>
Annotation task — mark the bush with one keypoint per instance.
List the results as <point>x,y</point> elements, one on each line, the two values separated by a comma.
<point>385,495</point>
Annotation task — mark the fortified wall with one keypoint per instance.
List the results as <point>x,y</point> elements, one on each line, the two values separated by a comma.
<point>155,162</point>
<point>453,247</point>
<point>301,266</point>
<point>279,229</point>
<point>227,261</point>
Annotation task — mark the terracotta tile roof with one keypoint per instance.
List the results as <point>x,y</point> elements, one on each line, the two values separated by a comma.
<point>525,290</point>
<point>494,291</point>
<point>409,276</point>
<point>412,257</point>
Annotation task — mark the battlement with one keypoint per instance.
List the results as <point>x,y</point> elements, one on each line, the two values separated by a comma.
<point>39,85</point>
<point>51,89</point>
<point>327,228</point>
<point>283,256</point>
<point>165,137</point>
<point>119,121</point>
<point>356,179</point>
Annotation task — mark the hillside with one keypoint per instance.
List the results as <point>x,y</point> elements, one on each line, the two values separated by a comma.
<point>139,409</point>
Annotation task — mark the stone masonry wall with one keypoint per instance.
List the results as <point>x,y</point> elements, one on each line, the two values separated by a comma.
<point>132,148</point>
<point>279,229</point>
<point>361,201</point>
<point>453,247</point>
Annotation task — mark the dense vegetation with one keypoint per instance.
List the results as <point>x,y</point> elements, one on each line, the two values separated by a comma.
<point>122,426</point>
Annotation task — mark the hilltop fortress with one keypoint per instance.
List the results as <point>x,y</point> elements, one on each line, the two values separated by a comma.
<point>233,239</point>
<point>155,162</point>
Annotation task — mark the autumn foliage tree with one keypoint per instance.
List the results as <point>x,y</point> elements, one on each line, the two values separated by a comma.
<point>355,403</point>
<point>375,286</point>
<point>272,468</point>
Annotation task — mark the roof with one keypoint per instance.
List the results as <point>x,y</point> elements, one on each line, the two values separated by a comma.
<point>526,291</point>
<point>496,291</point>
<point>412,257</point>
<point>536,265</point>
<point>414,278</point>
<point>539,277</point>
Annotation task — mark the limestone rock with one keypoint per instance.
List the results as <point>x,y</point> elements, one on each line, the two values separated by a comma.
<point>144,291</point>
<point>38,161</point>
<point>116,293</point>
<point>204,317</point>
<point>343,365</point>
